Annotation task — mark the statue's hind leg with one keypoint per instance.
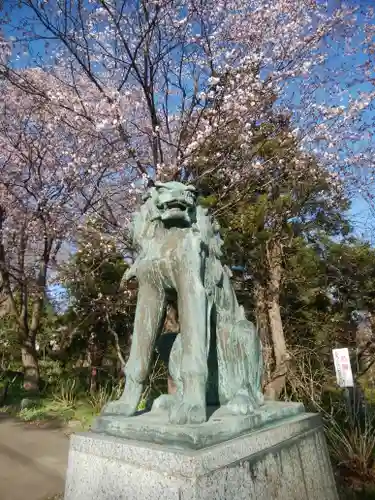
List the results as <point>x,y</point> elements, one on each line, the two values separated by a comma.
<point>149,316</point>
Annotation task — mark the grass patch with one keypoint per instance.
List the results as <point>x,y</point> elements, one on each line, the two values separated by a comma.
<point>47,410</point>
<point>59,404</point>
<point>63,403</point>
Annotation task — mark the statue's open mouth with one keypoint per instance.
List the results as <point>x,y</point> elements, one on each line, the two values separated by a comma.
<point>175,205</point>
<point>175,210</point>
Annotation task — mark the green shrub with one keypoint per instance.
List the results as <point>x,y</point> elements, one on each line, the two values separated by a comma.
<point>51,371</point>
<point>349,426</point>
<point>66,393</point>
<point>105,394</point>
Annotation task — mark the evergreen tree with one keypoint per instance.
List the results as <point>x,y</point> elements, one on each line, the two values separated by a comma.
<point>100,314</point>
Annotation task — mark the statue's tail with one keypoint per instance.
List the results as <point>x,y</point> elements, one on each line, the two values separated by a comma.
<point>240,362</point>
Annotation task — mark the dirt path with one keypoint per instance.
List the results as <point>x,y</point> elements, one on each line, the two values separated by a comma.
<point>32,460</point>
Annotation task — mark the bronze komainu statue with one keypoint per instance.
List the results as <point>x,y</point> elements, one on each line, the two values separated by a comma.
<point>179,250</point>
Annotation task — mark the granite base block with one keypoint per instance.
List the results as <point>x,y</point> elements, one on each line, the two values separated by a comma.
<point>284,461</point>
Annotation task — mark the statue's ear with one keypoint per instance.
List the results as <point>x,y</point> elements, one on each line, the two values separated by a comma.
<point>150,190</point>
<point>146,196</point>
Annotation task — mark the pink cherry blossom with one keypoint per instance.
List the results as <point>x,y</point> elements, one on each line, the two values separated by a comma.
<point>162,77</point>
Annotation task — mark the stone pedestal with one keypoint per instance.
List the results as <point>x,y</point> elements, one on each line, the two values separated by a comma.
<point>281,461</point>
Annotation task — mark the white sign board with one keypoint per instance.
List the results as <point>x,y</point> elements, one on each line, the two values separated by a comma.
<point>343,368</point>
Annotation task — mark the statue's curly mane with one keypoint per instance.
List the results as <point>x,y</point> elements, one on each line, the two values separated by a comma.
<point>209,232</point>
<point>144,224</point>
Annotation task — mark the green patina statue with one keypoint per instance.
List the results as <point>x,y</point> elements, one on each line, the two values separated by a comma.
<point>179,250</point>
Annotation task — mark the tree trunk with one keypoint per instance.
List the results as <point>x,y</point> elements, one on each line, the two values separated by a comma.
<point>93,380</point>
<point>95,356</point>
<point>277,384</point>
<point>30,366</point>
<point>365,347</point>
<point>261,314</point>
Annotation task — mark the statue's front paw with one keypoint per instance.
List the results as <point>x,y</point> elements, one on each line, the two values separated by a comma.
<point>241,404</point>
<point>164,402</point>
<point>127,405</point>
<point>186,413</point>
<point>119,408</point>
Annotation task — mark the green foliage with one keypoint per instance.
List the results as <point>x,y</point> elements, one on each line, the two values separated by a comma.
<point>100,314</point>
<point>350,429</point>
<point>323,284</point>
<point>10,355</point>
<point>106,393</point>
<point>350,266</point>
<point>66,393</point>
<point>52,371</point>
<point>207,201</point>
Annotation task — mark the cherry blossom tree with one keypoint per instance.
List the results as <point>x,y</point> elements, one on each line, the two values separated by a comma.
<point>52,172</point>
<point>164,76</point>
